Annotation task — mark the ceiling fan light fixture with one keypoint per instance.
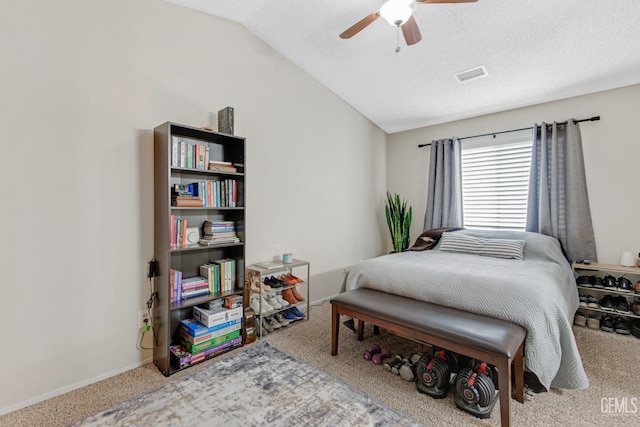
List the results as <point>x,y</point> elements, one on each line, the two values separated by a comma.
<point>397,12</point>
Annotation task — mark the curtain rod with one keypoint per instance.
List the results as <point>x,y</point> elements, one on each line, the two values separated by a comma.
<point>590,119</point>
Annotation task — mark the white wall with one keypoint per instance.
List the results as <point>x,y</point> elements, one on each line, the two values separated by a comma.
<point>83,85</point>
<point>611,150</point>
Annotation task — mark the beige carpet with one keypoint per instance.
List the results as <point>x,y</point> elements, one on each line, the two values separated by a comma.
<point>610,361</point>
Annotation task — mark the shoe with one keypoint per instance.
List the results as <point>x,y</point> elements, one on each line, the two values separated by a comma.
<point>265,305</point>
<point>255,305</point>
<point>621,326</point>
<point>606,303</point>
<point>635,308</point>
<point>297,295</point>
<point>254,287</point>
<point>610,282</point>
<point>282,301</point>
<point>597,282</point>
<point>265,285</point>
<point>621,305</point>
<point>287,295</point>
<point>281,319</point>
<point>272,322</point>
<point>299,315</point>
<point>624,284</point>
<point>266,326</point>
<point>583,301</point>
<point>592,302</point>
<point>606,324</point>
<point>288,316</point>
<point>580,319</point>
<point>276,283</point>
<point>584,281</point>
<point>297,279</point>
<point>593,322</point>
<point>289,281</point>
<point>273,302</point>
<point>638,287</point>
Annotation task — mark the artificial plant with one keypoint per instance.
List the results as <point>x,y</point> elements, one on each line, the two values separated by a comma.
<point>398,220</point>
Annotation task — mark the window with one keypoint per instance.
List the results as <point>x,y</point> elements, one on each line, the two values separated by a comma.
<point>495,180</point>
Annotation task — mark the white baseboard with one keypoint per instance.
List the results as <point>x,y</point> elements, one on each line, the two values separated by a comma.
<point>71,387</point>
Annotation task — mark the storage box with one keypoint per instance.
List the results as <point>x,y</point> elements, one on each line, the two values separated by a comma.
<point>216,316</point>
<point>232,301</point>
<point>197,329</point>
<point>211,335</point>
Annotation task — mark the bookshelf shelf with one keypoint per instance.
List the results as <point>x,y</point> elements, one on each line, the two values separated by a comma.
<point>177,146</point>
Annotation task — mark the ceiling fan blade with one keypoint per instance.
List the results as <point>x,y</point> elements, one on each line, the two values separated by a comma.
<point>444,1</point>
<point>359,26</point>
<point>411,32</point>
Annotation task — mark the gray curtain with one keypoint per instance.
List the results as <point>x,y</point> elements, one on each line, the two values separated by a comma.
<point>444,198</point>
<point>558,202</point>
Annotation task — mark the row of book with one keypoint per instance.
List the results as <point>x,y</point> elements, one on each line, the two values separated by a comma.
<point>178,232</point>
<point>209,194</point>
<point>215,277</point>
<point>194,153</point>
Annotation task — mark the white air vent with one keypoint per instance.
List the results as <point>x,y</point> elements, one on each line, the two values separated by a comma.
<point>471,74</point>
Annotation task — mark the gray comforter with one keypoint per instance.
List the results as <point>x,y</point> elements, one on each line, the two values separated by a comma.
<point>538,293</point>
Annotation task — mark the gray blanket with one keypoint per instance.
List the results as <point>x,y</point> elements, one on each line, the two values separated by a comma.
<point>538,293</point>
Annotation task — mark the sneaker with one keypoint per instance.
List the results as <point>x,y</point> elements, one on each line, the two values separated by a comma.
<point>583,301</point>
<point>265,305</point>
<point>288,316</point>
<point>281,319</point>
<point>610,282</point>
<point>624,284</point>
<point>597,282</point>
<point>592,302</point>
<point>580,319</point>
<point>593,322</point>
<point>584,281</point>
<point>299,315</point>
<point>606,303</point>
<point>621,305</point>
<point>606,324</point>
<point>272,322</point>
<point>266,326</point>
<point>282,301</point>
<point>273,302</point>
<point>255,304</point>
<point>621,326</point>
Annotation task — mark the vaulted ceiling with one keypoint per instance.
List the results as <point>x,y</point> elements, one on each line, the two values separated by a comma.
<point>533,52</point>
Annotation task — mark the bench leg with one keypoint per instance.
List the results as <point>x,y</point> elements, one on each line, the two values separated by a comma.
<point>376,330</point>
<point>335,329</point>
<point>518,368</point>
<point>504,381</point>
<point>360,330</point>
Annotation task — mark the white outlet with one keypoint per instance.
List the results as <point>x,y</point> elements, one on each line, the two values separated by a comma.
<point>143,318</point>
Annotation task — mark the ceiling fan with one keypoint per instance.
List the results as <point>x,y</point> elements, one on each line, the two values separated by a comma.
<point>398,13</point>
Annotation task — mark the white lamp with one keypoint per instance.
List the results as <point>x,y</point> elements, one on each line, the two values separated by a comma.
<point>397,12</point>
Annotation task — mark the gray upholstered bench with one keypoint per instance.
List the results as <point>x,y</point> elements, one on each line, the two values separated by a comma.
<point>490,340</point>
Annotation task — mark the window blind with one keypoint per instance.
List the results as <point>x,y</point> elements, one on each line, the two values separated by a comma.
<point>495,180</point>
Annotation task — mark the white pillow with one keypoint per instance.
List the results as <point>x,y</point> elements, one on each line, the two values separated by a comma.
<point>499,248</point>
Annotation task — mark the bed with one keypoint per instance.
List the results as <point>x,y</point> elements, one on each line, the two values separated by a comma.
<point>537,292</point>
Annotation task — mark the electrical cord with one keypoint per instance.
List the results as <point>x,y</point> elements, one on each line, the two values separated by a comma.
<point>151,273</point>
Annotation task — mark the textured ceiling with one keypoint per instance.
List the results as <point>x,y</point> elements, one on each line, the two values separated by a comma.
<point>534,51</point>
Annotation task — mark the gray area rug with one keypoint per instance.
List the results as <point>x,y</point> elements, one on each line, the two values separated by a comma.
<point>258,386</point>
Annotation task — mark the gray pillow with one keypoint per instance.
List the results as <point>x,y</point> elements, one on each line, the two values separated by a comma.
<point>499,248</point>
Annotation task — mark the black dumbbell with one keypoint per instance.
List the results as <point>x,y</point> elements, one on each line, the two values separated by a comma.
<point>368,354</point>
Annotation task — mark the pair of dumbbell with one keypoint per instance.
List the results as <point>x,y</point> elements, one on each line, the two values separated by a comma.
<point>376,354</point>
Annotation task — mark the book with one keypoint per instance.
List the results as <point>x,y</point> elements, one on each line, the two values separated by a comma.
<point>270,265</point>
<point>225,120</point>
<point>197,329</point>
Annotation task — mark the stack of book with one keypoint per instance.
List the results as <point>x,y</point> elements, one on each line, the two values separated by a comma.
<point>217,232</point>
<point>219,166</point>
<point>186,202</point>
